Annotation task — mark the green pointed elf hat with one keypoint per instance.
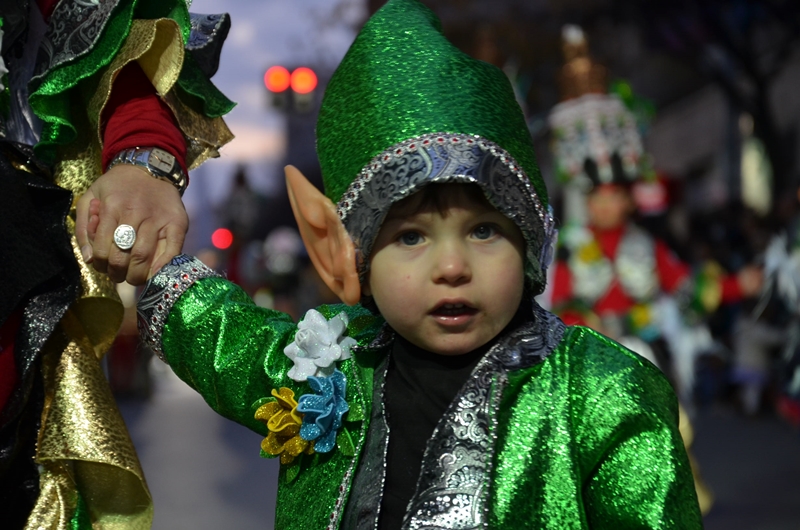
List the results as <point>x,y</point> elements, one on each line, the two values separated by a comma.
<point>406,108</point>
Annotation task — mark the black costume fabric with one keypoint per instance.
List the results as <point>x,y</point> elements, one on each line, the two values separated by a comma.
<point>40,277</point>
<point>419,387</point>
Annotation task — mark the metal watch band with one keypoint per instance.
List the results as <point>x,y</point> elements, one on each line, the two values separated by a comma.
<point>158,162</point>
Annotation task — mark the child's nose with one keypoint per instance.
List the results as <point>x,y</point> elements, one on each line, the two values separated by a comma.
<point>452,266</point>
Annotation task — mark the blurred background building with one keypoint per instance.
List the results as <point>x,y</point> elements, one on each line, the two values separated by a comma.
<point>714,85</point>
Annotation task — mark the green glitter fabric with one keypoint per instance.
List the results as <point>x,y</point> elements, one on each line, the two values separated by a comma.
<point>53,97</point>
<point>231,352</point>
<point>401,79</point>
<point>81,520</point>
<point>588,438</point>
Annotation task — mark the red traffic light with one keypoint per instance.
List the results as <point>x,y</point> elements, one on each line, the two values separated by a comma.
<point>304,80</point>
<point>277,79</point>
<point>222,238</point>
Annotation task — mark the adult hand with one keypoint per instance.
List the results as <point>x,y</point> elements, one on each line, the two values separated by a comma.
<point>128,194</point>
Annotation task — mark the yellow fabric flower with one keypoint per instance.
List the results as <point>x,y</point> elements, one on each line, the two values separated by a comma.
<point>590,252</point>
<point>283,421</point>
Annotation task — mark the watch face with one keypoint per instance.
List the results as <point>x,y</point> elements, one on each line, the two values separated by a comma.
<point>161,160</point>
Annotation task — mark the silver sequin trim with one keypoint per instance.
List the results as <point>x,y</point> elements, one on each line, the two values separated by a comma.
<point>363,510</point>
<point>204,29</point>
<point>453,487</point>
<point>161,293</point>
<point>440,158</point>
<point>75,26</point>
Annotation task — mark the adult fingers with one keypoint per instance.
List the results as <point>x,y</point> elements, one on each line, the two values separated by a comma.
<point>108,256</point>
<point>142,253</point>
<point>119,260</point>
<point>103,244</point>
<point>82,223</point>
<point>156,265</point>
<point>173,234</point>
<point>94,218</point>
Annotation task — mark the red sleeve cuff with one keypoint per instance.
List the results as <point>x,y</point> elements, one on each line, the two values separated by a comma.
<point>136,117</point>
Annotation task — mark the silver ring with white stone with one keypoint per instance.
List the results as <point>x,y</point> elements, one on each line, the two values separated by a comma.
<point>125,237</point>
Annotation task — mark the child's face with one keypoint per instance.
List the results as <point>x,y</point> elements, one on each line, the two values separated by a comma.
<point>609,206</point>
<point>447,279</point>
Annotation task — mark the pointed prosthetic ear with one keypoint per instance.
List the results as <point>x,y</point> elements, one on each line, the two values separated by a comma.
<point>328,244</point>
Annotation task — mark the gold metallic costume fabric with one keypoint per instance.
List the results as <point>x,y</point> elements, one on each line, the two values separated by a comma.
<point>83,441</point>
<point>84,449</point>
<point>157,46</point>
<point>204,135</point>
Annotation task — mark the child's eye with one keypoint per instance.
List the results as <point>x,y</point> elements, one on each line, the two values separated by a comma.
<point>484,232</point>
<point>410,238</point>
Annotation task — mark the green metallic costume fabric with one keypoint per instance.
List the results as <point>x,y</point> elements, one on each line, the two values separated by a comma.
<point>402,78</point>
<point>406,108</point>
<point>50,92</point>
<point>565,428</point>
<point>588,438</point>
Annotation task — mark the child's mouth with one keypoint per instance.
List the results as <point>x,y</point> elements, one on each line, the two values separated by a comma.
<point>453,310</point>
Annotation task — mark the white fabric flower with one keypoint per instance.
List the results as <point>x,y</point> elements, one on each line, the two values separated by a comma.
<point>317,345</point>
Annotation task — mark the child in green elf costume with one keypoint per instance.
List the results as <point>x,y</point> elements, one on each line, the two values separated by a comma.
<point>440,395</point>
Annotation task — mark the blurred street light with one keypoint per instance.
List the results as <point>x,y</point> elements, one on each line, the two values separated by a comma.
<point>303,82</point>
<point>222,238</point>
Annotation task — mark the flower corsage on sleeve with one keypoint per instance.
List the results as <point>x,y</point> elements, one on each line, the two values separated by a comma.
<point>313,423</point>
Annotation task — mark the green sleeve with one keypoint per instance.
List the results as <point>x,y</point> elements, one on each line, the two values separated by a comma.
<point>227,348</point>
<point>638,474</point>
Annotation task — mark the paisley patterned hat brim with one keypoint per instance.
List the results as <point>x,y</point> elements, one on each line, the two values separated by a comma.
<point>446,158</point>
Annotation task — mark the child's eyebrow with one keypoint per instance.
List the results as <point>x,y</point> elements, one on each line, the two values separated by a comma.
<point>399,215</point>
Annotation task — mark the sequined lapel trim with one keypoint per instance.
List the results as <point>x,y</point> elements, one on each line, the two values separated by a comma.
<point>161,293</point>
<point>438,158</point>
<point>453,487</point>
<point>75,26</point>
<point>363,511</point>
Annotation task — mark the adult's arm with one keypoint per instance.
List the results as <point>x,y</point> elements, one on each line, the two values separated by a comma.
<point>134,117</point>
<point>72,100</point>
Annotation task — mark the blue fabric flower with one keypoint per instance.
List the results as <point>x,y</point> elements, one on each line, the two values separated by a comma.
<point>323,411</point>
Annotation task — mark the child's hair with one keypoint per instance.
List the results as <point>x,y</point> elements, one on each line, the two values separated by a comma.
<point>439,197</point>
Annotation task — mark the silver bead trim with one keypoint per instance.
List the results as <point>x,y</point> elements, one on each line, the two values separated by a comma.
<point>161,293</point>
<point>382,341</point>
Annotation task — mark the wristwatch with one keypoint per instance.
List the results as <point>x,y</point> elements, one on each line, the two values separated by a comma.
<point>159,163</point>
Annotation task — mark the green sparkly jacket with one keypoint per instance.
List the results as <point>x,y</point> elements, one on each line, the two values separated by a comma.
<point>557,427</point>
